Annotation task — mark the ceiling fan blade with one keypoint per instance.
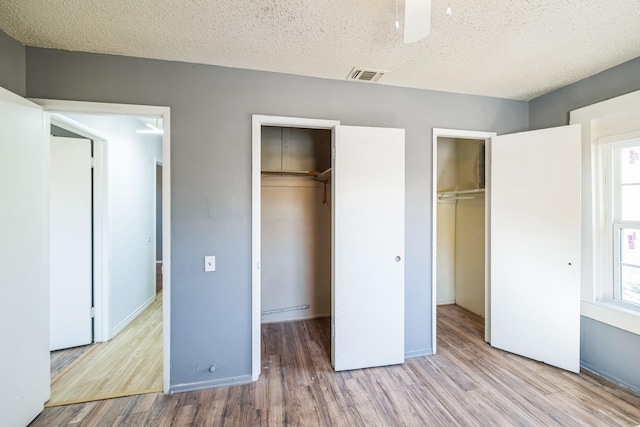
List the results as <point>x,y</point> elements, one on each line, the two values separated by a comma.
<point>417,20</point>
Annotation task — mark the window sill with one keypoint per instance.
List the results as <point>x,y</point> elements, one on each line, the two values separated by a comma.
<point>611,314</point>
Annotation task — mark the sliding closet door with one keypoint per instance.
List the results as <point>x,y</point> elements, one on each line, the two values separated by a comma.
<point>368,248</point>
<point>535,245</point>
<point>24,261</point>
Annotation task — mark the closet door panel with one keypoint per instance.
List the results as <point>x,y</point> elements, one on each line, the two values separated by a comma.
<point>535,245</point>
<point>368,248</point>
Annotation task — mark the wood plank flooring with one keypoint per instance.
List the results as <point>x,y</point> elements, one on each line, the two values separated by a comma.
<point>62,359</point>
<point>129,364</point>
<point>467,383</point>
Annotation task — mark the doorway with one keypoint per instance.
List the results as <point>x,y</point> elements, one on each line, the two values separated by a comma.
<point>131,323</point>
<point>270,136</point>
<point>460,217</point>
<point>105,328</point>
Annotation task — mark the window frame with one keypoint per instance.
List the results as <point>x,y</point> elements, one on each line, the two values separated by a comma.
<point>608,203</point>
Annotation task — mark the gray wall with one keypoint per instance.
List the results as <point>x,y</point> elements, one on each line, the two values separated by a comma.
<point>211,110</point>
<point>12,65</point>
<point>610,352</point>
<point>604,349</point>
<point>553,109</point>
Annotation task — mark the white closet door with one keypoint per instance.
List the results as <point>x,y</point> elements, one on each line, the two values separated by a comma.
<point>535,245</point>
<point>24,261</point>
<point>70,242</point>
<point>368,248</point>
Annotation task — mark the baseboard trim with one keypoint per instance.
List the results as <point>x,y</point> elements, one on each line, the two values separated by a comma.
<point>201,385</point>
<point>130,318</point>
<point>446,302</point>
<point>611,378</point>
<point>418,353</point>
<point>295,319</point>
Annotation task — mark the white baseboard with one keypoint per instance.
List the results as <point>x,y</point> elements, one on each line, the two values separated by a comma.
<point>201,385</point>
<point>294,319</point>
<point>131,317</point>
<point>612,378</point>
<point>418,353</point>
<point>446,302</point>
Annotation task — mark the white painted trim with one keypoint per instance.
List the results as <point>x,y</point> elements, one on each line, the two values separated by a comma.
<point>130,318</point>
<point>418,353</point>
<point>591,305</point>
<point>157,162</point>
<point>62,106</point>
<point>101,235</point>
<point>628,101</point>
<point>464,134</point>
<point>297,318</point>
<point>257,121</point>
<point>611,314</point>
<point>221,382</point>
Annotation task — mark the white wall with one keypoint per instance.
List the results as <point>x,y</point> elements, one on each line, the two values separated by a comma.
<point>469,255</point>
<point>296,248</point>
<point>131,181</point>
<point>446,252</point>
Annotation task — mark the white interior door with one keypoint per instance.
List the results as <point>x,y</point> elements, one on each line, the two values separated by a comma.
<point>368,248</point>
<point>24,261</point>
<point>535,245</point>
<point>70,242</point>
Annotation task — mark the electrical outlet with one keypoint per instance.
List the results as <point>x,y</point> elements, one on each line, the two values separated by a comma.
<point>210,263</point>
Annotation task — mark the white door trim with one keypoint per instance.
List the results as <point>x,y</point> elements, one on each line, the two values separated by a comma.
<point>257,121</point>
<point>61,106</point>
<point>466,134</point>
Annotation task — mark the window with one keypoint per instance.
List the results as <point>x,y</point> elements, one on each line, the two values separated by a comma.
<point>619,207</point>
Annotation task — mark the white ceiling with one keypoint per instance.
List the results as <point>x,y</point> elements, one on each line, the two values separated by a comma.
<point>516,49</point>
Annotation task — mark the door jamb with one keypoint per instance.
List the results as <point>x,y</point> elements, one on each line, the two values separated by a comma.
<point>62,106</point>
<point>466,134</point>
<point>257,121</point>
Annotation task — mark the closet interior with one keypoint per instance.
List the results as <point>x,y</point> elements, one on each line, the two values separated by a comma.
<point>296,224</point>
<point>460,238</point>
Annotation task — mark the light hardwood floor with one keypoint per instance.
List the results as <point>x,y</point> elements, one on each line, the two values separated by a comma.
<point>466,383</point>
<point>129,364</point>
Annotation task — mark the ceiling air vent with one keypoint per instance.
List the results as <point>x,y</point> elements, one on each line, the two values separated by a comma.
<point>365,75</point>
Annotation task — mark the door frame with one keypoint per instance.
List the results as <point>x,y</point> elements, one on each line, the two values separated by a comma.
<point>51,106</point>
<point>464,134</point>
<point>257,121</point>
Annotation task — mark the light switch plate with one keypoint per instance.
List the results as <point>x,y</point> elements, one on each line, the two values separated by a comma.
<point>210,263</point>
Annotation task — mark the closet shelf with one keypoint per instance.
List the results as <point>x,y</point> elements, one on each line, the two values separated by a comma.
<point>461,194</point>
<point>304,174</point>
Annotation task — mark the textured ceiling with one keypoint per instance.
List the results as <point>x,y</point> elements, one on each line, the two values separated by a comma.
<point>516,49</point>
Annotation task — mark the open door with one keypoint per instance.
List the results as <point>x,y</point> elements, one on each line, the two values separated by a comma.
<point>535,245</point>
<point>71,285</point>
<point>368,248</point>
<point>24,260</point>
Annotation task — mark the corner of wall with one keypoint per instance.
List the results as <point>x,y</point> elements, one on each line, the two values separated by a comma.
<point>13,70</point>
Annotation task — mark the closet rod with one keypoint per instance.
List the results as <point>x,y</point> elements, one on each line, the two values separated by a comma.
<point>461,194</point>
<point>280,310</point>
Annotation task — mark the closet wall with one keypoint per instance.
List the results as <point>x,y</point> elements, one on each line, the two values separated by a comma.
<point>296,225</point>
<point>460,228</point>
